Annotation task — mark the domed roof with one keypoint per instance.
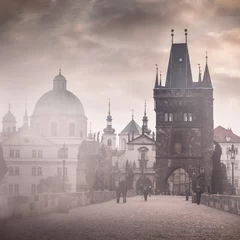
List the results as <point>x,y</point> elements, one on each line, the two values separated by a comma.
<point>58,102</point>
<point>9,117</point>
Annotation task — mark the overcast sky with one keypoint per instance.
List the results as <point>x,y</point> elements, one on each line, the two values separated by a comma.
<point>109,48</point>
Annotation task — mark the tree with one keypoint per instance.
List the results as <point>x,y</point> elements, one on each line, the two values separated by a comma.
<point>54,184</point>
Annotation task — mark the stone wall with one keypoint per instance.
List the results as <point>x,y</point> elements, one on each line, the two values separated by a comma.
<point>23,206</point>
<point>226,203</point>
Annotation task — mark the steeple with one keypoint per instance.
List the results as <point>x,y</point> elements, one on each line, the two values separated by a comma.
<point>109,129</point>
<point>90,135</point>
<point>156,81</point>
<point>160,85</point>
<point>179,74</point>
<point>200,73</point>
<point>145,122</point>
<point>206,83</point>
<point>25,117</point>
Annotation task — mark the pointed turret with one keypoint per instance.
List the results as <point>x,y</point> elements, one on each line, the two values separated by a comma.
<point>90,135</point>
<point>199,74</point>
<point>160,84</point>
<point>8,122</point>
<point>25,117</point>
<point>109,129</point>
<point>206,83</point>
<point>145,122</point>
<point>156,81</point>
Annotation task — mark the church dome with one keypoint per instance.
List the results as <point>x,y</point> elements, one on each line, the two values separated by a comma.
<point>59,100</point>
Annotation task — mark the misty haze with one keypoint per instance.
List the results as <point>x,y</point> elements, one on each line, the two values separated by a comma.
<point>119,119</point>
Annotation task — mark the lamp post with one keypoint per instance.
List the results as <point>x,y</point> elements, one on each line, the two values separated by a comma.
<point>63,153</point>
<point>232,158</point>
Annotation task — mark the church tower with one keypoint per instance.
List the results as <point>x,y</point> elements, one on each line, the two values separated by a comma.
<point>184,121</point>
<point>25,118</point>
<point>145,128</point>
<point>109,135</point>
<point>8,123</point>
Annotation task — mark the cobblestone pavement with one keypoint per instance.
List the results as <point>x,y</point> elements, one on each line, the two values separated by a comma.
<point>161,217</point>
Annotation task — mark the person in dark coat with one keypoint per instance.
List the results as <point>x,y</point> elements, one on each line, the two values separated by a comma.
<point>198,195</point>
<point>187,193</point>
<point>118,193</point>
<point>124,191</point>
<point>145,192</point>
<point>150,191</point>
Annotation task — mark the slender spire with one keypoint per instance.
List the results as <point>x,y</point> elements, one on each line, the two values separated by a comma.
<point>25,117</point>
<point>9,106</point>
<point>207,83</point>
<point>160,79</point>
<point>145,112</point>
<point>186,34</point>
<point>172,34</point>
<point>156,81</point>
<point>132,114</point>
<point>200,73</point>
<point>60,71</point>
<point>109,107</point>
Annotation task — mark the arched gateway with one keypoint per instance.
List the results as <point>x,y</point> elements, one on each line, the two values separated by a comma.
<point>184,121</point>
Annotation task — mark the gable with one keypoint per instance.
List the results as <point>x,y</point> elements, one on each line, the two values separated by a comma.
<point>142,140</point>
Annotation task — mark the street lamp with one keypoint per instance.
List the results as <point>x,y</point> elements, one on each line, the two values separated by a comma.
<point>232,158</point>
<point>63,154</point>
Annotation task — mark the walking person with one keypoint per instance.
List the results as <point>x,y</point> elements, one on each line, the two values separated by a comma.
<point>198,194</point>
<point>150,191</point>
<point>187,193</point>
<point>118,193</point>
<point>145,192</point>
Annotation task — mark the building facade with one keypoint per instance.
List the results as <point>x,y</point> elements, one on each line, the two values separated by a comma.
<point>225,138</point>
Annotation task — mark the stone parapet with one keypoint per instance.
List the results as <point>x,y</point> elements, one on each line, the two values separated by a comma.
<point>24,206</point>
<point>228,203</point>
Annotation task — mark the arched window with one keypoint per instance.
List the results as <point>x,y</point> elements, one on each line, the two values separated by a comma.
<point>71,129</point>
<point>53,129</point>
<point>123,144</point>
<point>170,117</point>
<point>109,142</point>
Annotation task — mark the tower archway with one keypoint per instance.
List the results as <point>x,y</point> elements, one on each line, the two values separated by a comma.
<point>177,180</point>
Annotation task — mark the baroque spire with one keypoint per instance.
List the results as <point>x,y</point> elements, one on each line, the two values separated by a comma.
<point>156,81</point>
<point>207,83</point>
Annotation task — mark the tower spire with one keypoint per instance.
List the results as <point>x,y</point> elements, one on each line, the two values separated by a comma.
<point>60,71</point>
<point>172,34</point>
<point>145,112</point>
<point>199,73</point>
<point>109,106</point>
<point>132,114</point>
<point>207,83</point>
<point>186,34</point>
<point>160,79</point>
<point>25,117</point>
<point>156,81</point>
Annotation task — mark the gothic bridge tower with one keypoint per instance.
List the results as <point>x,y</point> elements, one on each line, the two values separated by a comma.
<point>184,121</point>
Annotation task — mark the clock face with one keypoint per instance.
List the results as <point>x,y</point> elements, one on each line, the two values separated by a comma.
<point>228,139</point>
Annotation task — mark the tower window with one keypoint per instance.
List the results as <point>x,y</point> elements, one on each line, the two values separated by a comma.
<point>170,117</point>
<point>72,129</point>
<point>177,142</point>
<point>17,153</point>
<point>109,142</point>
<point>166,117</point>
<point>185,117</point>
<point>190,118</point>
<point>53,129</point>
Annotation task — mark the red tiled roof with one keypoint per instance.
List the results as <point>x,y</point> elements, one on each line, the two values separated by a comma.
<point>222,134</point>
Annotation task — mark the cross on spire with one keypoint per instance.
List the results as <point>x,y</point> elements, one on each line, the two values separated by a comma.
<point>186,34</point>
<point>132,114</point>
<point>109,106</point>
<point>145,111</point>
<point>206,57</point>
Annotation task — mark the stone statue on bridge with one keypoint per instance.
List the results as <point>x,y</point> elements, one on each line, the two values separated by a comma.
<point>217,175</point>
